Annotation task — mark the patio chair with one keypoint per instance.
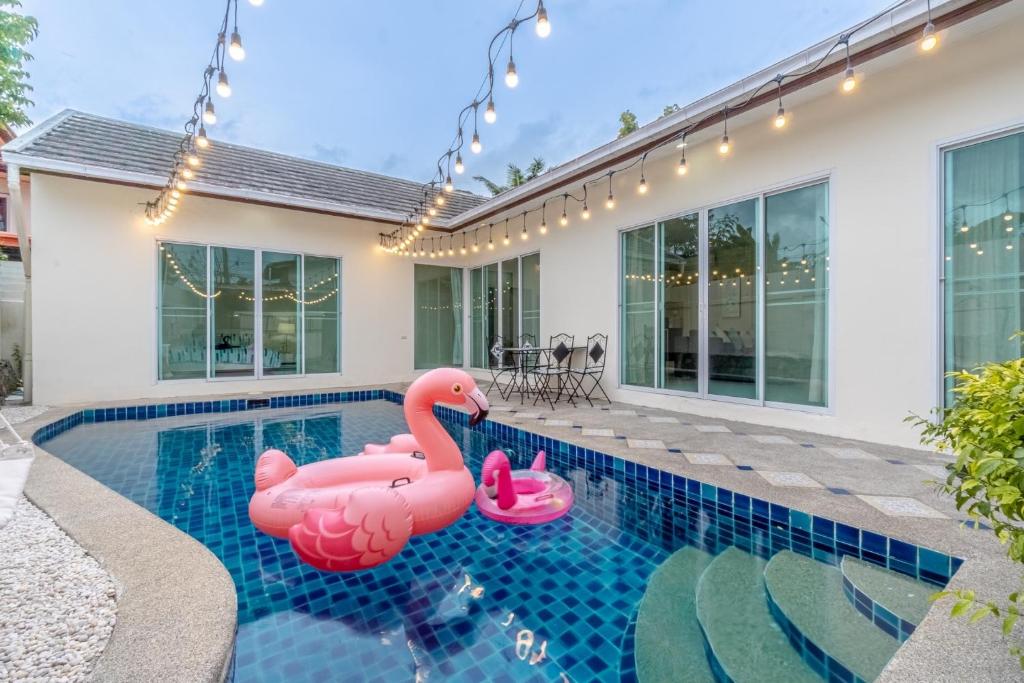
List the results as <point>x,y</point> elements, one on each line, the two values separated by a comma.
<point>500,364</point>
<point>552,363</point>
<point>593,369</point>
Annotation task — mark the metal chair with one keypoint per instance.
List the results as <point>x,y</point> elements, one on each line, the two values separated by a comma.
<point>499,364</point>
<point>597,351</point>
<point>553,362</point>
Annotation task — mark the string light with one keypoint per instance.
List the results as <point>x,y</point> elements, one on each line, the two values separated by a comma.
<point>524,235</point>
<point>223,87</point>
<point>490,114</point>
<point>490,237</point>
<point>610,202</point>
<point>506,241</point>
<point>642,187</point>
<point>235,48</point>
<point>476,240</point>
<point>780,115</point>
<point>448,186</point>
<point>724,146</point>
<point>209,115</point>
<point>202,142</point>
<point>564,220</point>
<point>543,219</point>
<point>849,76</point>
<point>475,146</point>
<point>462,250</point>
<point>543,26</point>
<point>929,39</point>
<point>460,168</point>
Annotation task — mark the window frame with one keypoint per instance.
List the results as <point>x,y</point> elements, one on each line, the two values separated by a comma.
<point>824,177</point>
<point>258,373</point>
<point>500,303</point>
<point>938,208</point>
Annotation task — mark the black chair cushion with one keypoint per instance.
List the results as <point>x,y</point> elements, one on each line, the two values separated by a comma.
<point>596,352</point>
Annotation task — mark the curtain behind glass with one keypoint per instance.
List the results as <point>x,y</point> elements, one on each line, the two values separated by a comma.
<point>510,302</point>
<point>183,310</point>
<point>321,295</point>
<point>233,312</point>
<point>984,270</point>
<point>282,347</point>
<point>680,296</point>
<point>531,296</point>
<point>796,296</point>
<point>732,299</point>
<point>638,340</point>
<point>437,302</point>
<point>477,343</point>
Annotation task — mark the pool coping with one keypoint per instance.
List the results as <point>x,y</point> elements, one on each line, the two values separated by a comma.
<point>928,655</point>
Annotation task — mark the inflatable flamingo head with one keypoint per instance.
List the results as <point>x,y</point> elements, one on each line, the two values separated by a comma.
<point>454,387</point>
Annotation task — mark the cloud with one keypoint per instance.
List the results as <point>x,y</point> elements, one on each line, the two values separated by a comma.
<point>331,154</point>
<point>151,110</point>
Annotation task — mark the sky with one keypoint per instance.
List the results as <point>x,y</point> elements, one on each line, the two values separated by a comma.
<point>378,85</point>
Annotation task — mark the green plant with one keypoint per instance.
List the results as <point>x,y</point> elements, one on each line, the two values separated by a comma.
<point>16,31</point>
<point>514,176</point>
<point>627,123</point>
<point>984,429</point>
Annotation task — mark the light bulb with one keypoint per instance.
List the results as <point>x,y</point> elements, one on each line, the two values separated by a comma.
<point>187,173</point>
<point>235,48</point>
<point>1009,228</point>
<point>610,202</point>
<point>1009,247</point>
<point>490,114</point>
<point>682,168</point>
<point>511,77</point>
<point>973,245</point>
<point>506,241</point>
<point>490,244</point>
<point>439,199</point>
<point>929,39</point>
<point>642,187</point>
<point>176,193</point>
<point>209,115</point>
<point>459,166</point>
<point>476,248</point>
<point>193,160</point>
<point>201,140</point>
<point>475,146</point>
<point>585,214</point>
<point>451,252</point>
<point>564,220</point>
<point>780,118</point>
<point>419,226</point>
<point>181,185</point>
<point>724,146</point>
<point>849,81</point>
<point>462,251</point>
<point>543,26</point>
<point>432,211</point>
<point>524,235</point>
<point>543,228</point>
<point>223,87</point>
<point>448,186</point>
<point>1008,216</point>
<point>980,252</point>
<point>965,227</point>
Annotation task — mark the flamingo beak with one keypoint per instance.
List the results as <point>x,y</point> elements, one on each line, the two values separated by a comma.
<point>478,407</point>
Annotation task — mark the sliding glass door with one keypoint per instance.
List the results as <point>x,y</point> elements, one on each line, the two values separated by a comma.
<point>438,317</point>
<point>983,278</point>
<point>506,303</point>
<point>731,302</point>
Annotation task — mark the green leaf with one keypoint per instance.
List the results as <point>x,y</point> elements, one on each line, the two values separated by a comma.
<point>1008,623</point>
<point>960,607</point>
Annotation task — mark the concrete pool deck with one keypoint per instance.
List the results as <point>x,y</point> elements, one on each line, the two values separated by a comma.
<point>870,486</point>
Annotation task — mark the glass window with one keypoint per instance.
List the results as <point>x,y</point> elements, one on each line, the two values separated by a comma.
<point>984,268</point>
<point>732,299</point>
<point>531,295</point>
<point>233,312</point>
<point>796,296</point>
<point>510,301</point>
<point>282,347</point>
<point>321,307</point>
<point>680,296</point>
<point>183,311</point>
<point>438,316</point>
<point>638,288</point>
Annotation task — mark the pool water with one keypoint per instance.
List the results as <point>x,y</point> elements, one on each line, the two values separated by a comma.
<point>478,601</point>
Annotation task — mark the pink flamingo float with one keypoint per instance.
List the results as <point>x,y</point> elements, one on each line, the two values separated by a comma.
<point>532,496</point>
<point>352,513</point>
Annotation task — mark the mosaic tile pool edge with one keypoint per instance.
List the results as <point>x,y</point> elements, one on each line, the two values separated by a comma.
<point>743,519</point>
<point>898,628</point>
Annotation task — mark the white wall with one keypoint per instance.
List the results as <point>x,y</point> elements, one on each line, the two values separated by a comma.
<point>95,279</point>
<point>879,148</point>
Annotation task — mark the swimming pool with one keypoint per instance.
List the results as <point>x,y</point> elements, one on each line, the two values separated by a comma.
<point>480,601</point>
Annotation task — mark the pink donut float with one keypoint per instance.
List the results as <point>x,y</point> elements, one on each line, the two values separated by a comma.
<point>532,496</point>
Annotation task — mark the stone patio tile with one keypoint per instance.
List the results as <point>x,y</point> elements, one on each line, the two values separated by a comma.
<point>663,419</point>
<point>645,443</point>
<point>937,471</point>
<point>558,423</point>
<point>621,411</point>
<point>501,409</point>
<point>899,506</point>
<point>711,428</point>
<point>527,416</point>
<point>771,438</point>
<point>591,431</point>
<point>707,459</point>
<point>797,479</point>
<point>850,454</point>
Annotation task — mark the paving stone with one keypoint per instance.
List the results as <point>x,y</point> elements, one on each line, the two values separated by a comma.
<point>771,438</point>
<point>592,431</point>
<point>707,459</point>
<point>657,419</point>
<point>622,412</point>
<point>850,454</point>
<point>558,423</point>
<point>937,471</point>
<point>899,506</point>
<point>796,479</point>
<point>711,428</point>
<point>645,443</point>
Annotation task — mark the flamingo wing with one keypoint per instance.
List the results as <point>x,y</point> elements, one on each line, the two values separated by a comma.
<point>400,443</point>
<point>372,528</point>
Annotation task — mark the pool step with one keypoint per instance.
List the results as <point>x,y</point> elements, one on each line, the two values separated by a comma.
<point>806,598</point>
<point>894,602</point>
<point>668,640</point>
<point>744,642</point>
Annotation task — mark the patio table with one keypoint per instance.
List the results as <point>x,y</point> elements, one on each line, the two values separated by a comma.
<point>520,356</point>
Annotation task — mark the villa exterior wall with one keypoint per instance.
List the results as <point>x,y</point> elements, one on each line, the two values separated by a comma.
<point>95,287</point>
<point>879,148</point>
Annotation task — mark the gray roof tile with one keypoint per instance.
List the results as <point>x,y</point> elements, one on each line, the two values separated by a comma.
<point>107,143</point>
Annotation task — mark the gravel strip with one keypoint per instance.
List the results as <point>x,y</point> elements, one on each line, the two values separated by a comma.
<point>57,605</point>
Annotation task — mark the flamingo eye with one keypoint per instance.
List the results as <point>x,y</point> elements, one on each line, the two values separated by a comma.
<point>456,388</point>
